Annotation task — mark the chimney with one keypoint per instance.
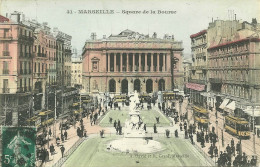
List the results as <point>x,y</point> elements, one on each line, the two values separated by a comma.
<point>15,16</point>
<point>93,36</point>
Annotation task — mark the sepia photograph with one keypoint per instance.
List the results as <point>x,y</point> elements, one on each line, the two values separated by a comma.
<point>129,83</point>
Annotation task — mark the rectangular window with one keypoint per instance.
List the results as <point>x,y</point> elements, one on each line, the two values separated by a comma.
<point>25,68</point>
<point>30,69</point>
<point>21,85</point>
<point>39,67</point>
<point>5,69</point>
<point>21,67</point>
<point>29,83</point>
<point>35,67</point>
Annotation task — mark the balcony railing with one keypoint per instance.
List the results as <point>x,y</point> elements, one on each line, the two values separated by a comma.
<point>24,37</point>
<point>5,36</point>
<point>41,55</point>
<point>5,71</point>
<point>6,90</point>
<point>6,53</point>
<point>40,75</point>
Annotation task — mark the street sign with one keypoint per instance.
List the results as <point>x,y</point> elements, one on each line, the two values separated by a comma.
<point>18,145</point>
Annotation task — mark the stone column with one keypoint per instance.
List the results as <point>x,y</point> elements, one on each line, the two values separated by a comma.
<point>158,63</point>
<point>127,66</point>
<point>133,62</point>
<point>121,62</point>
<point>115,62</point>
<point>145,62</point>
<point>163,63</point>
<point>108,63</point>
<point>140,64</point>
<point>152,69</point>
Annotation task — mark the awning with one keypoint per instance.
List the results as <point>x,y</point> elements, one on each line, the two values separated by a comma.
<point>231,106</point>
<point>224,103</point>
<point>249,111</point>
<point>194,86</point>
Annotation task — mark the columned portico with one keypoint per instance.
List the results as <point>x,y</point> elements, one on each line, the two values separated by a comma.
<point>128,64</point>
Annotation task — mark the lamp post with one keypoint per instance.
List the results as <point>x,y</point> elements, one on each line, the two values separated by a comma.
<point>253,119</point>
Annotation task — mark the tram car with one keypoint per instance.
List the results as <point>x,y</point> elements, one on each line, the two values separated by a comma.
<point>34,121</point>
<point>47,117</point>
<point>201,115</point>
<point>237,126</point>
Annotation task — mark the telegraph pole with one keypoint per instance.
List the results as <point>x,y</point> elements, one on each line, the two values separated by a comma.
<point>55,114</point>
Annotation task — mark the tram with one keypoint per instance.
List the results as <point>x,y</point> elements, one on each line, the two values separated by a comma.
<point>201,115</point>
<point>237,126</point>
<point>34,121</point>
<point>47,117</point>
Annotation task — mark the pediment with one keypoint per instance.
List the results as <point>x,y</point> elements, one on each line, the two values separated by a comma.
<point>95,59</point>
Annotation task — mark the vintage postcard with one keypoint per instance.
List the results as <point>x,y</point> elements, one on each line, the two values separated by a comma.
<point>125,83</point>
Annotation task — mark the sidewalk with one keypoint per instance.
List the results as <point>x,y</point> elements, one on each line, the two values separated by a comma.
<point>247,145</point>
<point>72,138</point>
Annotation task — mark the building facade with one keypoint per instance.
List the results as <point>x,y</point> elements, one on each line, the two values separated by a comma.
<point>198,78</point>
<point>232,68</point>
<point>131,61</point>
<point>76,71</point>
<point>16,48</point>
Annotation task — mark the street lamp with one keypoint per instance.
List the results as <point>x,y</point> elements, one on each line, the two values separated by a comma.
<point>253,119</point>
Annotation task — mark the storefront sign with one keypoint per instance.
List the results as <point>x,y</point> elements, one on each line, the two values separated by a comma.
<point>194,86</point>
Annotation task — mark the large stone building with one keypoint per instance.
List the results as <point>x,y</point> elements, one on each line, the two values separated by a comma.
<point>76,71</point>
<point>28,69</point>
<point>234,72</point>
<point>230,57</point>
<point>131,61</point>
<point>63,54</point>
<point>16,44</point>
<point>198,77</point>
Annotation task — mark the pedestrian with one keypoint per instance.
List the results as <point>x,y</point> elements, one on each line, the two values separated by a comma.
<point>50,132</point>
<point>207,138</point>
<point>110,120</point>
<point>211,148</point>
<point>185,125</point>
<point>62,150</point>
<point>154,128</point>
<point>180,126</point>
<point>118,123</point>
<point>66,135</point>
<point>216,151</point>
<point>115,123</point>
<point>145,127</point>
<point>232,142</point>
<point>176,133</point>
<point>52,150</point>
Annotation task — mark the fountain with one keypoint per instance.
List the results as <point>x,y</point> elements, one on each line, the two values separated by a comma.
<point>134,139</point>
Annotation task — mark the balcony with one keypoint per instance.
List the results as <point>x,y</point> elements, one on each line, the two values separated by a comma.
<point>41,55</point>
<point>36,91</point>
<point>6,53</point>
<point>5,36</point>
<point>6,90</point>
<point>39,75</point>
<point>5,71</point>
<point>27,38</point>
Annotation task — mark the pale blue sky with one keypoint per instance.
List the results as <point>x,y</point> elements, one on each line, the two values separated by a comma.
<point>192,16</point>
